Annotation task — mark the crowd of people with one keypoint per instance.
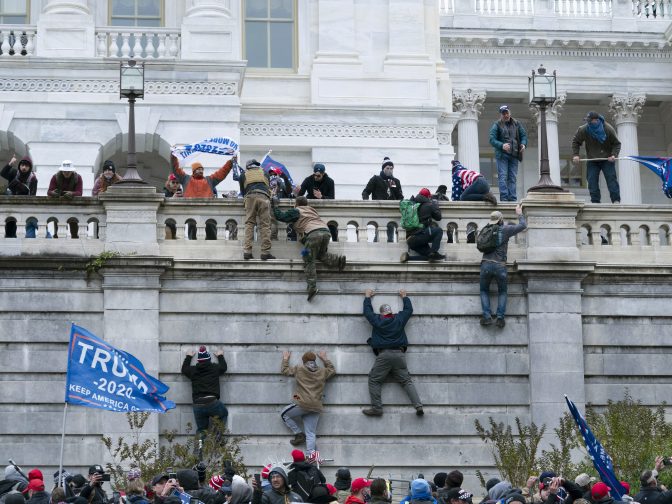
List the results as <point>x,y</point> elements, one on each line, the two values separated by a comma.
<point>301,480</point>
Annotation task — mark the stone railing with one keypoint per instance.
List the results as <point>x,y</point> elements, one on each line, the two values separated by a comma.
<point>583,8</point>
<point>143,222</point>
<point>645,9</point>
<point>17,40</point>
<point>505,7</point>
<point>653,9</point>
<point>138,43</point>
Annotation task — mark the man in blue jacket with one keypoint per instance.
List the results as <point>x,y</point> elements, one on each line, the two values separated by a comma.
<point>509,139</point>
<point>388,341</point>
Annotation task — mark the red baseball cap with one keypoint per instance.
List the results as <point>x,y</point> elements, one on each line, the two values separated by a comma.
<point>358,484</point>
<point>599,491</point>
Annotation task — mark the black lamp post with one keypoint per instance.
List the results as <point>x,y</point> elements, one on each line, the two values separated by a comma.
<point>132,86</point>
<point>542,92</point>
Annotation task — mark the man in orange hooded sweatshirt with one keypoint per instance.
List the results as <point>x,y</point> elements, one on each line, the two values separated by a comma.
<point>198,186</point>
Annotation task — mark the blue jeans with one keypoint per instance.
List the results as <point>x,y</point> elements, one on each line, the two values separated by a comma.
<point>507,172</point>
<point>420,241</point>
<point>490,270</point>
<point>203,412</point>
<point>593,176</point>
<point>476,190</point>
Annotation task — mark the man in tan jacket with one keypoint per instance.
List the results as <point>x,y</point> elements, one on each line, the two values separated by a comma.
<point>315,235</point>
<point>307,397</point>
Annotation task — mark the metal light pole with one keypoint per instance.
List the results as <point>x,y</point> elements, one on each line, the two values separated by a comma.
<point>542,88</point>
<point>131,86</point>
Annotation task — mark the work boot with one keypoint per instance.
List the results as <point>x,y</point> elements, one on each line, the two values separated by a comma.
<point>341,263</point>
<point>435,256</point>
<point>500,322</point>
<point>419,411</point>
<point>312,292</point>
<point>490,198</point>
<point>299,439</point>
<point>247,256</point>
<point>372,412</point>
<point>266,257</point>
<point>486,321</point>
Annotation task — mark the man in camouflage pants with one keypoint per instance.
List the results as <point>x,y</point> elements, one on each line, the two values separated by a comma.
<point>314,234</point>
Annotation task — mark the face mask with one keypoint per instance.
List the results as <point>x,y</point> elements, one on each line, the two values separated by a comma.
<point>311,365</point>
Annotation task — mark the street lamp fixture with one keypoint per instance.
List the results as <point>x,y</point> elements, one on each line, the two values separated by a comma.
<point>131,86</point>
<point>542,88</point>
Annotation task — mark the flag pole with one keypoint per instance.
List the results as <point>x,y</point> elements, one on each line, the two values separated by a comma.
<point>60,463</point>
<point>603,159</point>
<point>265,156</point>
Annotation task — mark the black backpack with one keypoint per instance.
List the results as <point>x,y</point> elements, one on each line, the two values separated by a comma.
<point>305,483</point>
<point>488,238</point>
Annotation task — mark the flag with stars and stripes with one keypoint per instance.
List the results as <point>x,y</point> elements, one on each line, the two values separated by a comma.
<point>601,459</point>
<point>104,377</point>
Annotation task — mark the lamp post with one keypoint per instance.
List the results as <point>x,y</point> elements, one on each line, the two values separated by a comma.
<point>131,86</point>
<point>542,88</point>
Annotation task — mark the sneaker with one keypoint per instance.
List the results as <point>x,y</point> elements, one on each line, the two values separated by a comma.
<point>266,257</point>
<point>248,256</point>
<point>372,412</point>
<point>435,256</point>
<point>404,257</point>
<point>419,411</point>
<point>299,439</point>
<point>500,322</point>
<point>312,292</point>
<point>486,321</point>
<point>341,263</point>
<point>490,198</point>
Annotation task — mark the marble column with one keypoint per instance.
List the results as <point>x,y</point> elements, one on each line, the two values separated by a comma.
<point>469,104</point>
<point>65,29</point>
<point>336,30</point>
<point>218,38</point>
<point>406,24</point>
<point>66,7</point>
<point>626,109</point>
<point>203,8</point>
<point>552,115</point>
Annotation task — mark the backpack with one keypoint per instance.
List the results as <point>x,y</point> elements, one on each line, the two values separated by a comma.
<point>305,482</point>
<point>410,220</point>
<point>488,238</point>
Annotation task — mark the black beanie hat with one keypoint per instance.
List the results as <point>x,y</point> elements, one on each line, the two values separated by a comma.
<point>440,479</point>
<point>454,479</point>
<point>109,164</point>
<point>387,162</point>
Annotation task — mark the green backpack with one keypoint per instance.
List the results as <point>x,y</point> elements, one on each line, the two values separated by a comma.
<point>409,215</point>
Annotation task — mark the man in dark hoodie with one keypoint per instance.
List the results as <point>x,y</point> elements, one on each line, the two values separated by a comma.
<point>342,484</point>
<point>279,493</point>
<point>36,492</point>
<point>204,378</point>
<point>425,240</point>
<point>384,186</point>
<point>389,342</point>
<point>303,476</point>
<point>93,491</point>
<point>188,480</point>
<point>22,180</point>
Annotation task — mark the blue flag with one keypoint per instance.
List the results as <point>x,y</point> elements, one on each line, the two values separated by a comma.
<point>661,167</point>
<point>601,459</point>
<point>101,376</point>
<point>268,162</point>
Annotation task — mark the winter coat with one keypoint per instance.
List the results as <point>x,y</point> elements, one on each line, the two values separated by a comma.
<point>428,212</point>
<point>94,494</point>
<point>595,149</point>
<point>20,184</point>
<point>651,494</point>
<point>309,385</point>
<point>202,187</point>
<point>506,232</point>
<point>204,377</point>
<point>102,184</point>
<point>272,496</point>
<point>500,135</point>
<point>313,473</point>
<point>325,186</point>
<point>59,184</point>
<point>39,498</point>
<point>382,187</point>
<point>388,332</point>
<point>353,500</point>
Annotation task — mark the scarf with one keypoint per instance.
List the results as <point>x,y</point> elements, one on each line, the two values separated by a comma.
<point>597,130</point>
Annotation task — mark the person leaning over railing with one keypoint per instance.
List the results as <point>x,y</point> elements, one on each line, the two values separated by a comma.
<point>66,184</point>
<point>106,179</point>
<point>22,182</point>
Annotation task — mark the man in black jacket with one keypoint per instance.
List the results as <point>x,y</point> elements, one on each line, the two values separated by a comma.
<point>426,240</point>
<point>649,490</point>
<point>204,378</point>
<point>388,341</point>
<point>384,186</point>
<point>93,491</point>
<point>319,185</point>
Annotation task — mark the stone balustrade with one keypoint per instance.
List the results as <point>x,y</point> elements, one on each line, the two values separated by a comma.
<point>139,43</point>
<point>505,7</point>
<point>604,233</point>
<point>653,9</point>
<point>583,8</point>
<point>17,40</point>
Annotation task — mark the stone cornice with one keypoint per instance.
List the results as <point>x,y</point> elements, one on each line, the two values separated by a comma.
<point>112,86</point>
<point>269,129</point>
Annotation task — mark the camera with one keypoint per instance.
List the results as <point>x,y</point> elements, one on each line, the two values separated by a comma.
<point>106,476</point>
<point>172,475</point>
<point>667,460</point>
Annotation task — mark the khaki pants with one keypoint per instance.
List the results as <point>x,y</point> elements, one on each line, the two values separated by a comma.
<point>316,245</point>
<point>257,211</point>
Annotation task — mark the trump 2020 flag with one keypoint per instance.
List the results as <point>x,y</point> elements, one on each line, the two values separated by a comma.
<point>101,376</point>
<point>268,162</point>
<point>661,167</point>
<point>601,459</point>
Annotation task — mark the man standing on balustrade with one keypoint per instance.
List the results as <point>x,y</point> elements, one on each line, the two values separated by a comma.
<point>255,186</point>
<point>602,147</point>
<point>509,139</point>
<point>314,234</point>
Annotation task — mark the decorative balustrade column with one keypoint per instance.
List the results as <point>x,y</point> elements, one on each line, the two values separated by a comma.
<point>626,109</point>
<point>469,104</point>
<point>552,114</point>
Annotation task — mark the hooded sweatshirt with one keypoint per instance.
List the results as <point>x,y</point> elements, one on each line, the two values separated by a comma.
<point>204,377</point>
<point>20,183</point>
<point>309,384</point>
<point>273,496</point>
<point>388,332</point>
<point>199,187</point>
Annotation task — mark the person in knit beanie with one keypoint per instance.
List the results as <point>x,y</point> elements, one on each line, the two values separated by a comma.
<point>106,179</point>
<point>306,402</point>
<point>204,378</point>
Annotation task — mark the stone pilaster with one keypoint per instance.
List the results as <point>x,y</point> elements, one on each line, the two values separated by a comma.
<point>626,109</point>
<point>469,104</point>
<point>406,22</point>
<point>444,135</point>
<point>218,38</point>
<point>65,29</point>
<point>552,115</point>
<point>336,31</point>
